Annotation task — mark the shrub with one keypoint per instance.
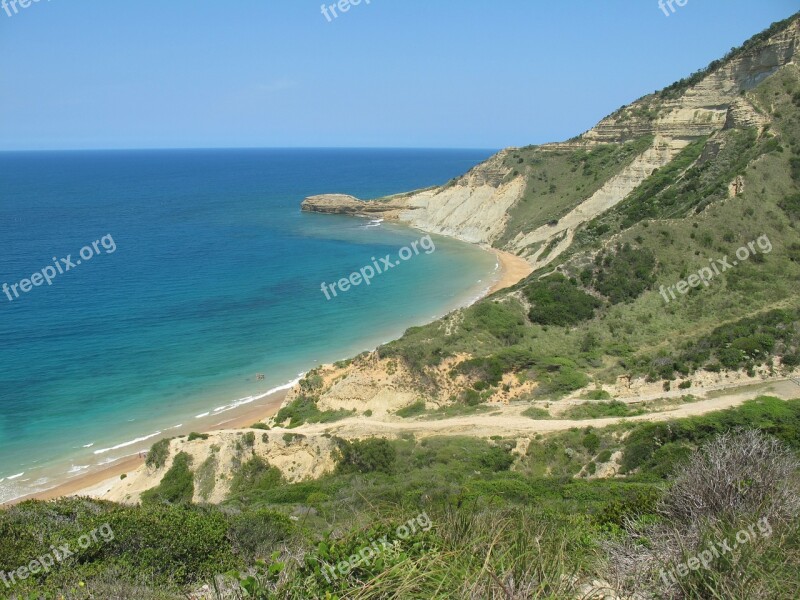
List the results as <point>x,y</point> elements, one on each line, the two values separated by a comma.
<point>502,322</point>
<point>625,273</point>
<point>158,454</point>
<point>303,409</point>
<point>791,206</point>
<point>257,533</point>
<point>591,442</point>
<point>498,458</point>
<point>256,477</point>
<point>177,485</point>
<point>557,301</point>
<point>197,436</point>
<point>366,456</point>
<point>604,456</point>
<point>743,473</point>
<point>412,410</point>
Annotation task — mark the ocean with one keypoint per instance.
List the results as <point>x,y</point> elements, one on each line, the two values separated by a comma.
<point>168,280</point>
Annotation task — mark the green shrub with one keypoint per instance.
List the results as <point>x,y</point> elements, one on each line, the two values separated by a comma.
<point>504,323</point>
<point>625,273</point>
<point>791,206</point>
<point>303,409</point>
<point>412,410</point>
<point>158,454</point>
<point>366,456</point>
<point>534,412</point>
<point>591,442</point>
<point>256,533</point>
<point>597,395</point>
<point>197,436</point>
<point>604,456</point>
<point>557,301</point>
<point>254,479</point>
<point>177,485</point>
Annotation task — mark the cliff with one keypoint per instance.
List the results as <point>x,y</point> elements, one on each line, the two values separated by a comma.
<point>495,202</point>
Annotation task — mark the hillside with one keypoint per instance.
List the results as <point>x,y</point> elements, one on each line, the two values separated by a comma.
<point>531,201</point>
<point>632,399</point>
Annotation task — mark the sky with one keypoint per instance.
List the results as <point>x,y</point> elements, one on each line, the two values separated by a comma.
<point>111,74</point>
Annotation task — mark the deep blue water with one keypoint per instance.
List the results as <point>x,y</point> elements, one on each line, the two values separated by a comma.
<point>215,277</point>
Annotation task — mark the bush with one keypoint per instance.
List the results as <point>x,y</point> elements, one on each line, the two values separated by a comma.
<point>366,456</point>
<point>255,478</point>
<point>412,410</point>
<point>256,534</point>
<point>625,273</point>
<point>303,409</point>
<point>791,206</point>
<point>181,544</point>
<point>604,456</point>
<point>502,322</point>
<point>557,301</point>
<point>159,452</point>
<point>591,442</point>
<point>177,485</point>
<point>197,436</point>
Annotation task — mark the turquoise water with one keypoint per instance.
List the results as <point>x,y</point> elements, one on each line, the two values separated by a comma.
<point>206,273</point>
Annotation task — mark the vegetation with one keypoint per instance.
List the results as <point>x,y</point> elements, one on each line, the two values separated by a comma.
<point>304,410</point>
<point>558,301</point>
<point>177,485</point>
<point>158,454</point>
<point>539,515</point>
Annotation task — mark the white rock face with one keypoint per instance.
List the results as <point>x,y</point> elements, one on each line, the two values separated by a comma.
<point>474,214</point>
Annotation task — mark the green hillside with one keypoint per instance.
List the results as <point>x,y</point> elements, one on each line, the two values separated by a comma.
<point>571,514</point>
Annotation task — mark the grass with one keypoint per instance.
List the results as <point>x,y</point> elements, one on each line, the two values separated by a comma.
<point>412,410</point>
<point>601,410</point>
<point>557,181</point>
<point>534,412</point>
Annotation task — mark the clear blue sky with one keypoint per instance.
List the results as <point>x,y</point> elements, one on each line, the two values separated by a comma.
<point>394,73</point>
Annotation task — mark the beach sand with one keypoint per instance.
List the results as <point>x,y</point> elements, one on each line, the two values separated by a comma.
<point>95,483</point>
<point>513,270</point>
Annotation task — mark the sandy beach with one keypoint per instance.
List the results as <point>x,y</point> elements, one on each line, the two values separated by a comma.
<point>512,270</point>
<point>87,483</point>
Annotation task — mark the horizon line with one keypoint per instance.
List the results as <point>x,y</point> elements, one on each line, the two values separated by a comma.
<point>201,148</point>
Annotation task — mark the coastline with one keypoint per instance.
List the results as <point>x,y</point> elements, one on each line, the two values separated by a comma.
<point>511,269</point>
<point>90,482</point>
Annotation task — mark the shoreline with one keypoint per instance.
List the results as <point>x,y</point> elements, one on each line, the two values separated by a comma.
<point>107,475</point>
<point>512,269</point>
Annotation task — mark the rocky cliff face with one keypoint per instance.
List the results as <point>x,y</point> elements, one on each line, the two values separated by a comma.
<point>476,206</point>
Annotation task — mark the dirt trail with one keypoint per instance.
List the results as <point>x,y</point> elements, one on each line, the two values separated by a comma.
<point>512,423</point>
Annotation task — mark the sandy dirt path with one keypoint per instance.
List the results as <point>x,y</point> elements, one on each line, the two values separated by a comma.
<point>512,423</point>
